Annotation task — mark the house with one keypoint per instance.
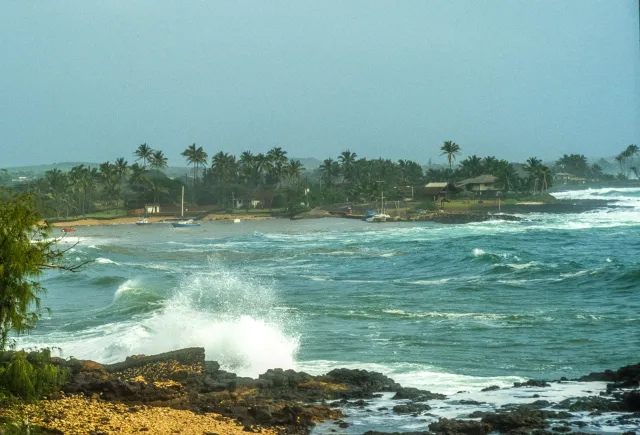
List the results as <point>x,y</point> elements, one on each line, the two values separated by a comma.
<point>480,184</point>
<point>562,177</point>
<point>152,208</point>
<point>246,202</point>
<point>439,189</point>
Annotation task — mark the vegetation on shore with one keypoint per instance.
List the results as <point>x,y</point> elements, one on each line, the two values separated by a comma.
<point>272,180</point>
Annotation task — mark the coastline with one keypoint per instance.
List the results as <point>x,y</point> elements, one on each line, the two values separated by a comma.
<point>181,392</point>
<point>89,222</point>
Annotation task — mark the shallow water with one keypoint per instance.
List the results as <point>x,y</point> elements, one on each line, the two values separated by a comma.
<point>440,307</point>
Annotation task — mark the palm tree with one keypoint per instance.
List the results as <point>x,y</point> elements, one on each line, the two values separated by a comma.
<point>329,171</point>
<point>224,169</point>
<point>196,156</point>
<point>157,161</point>
<point>143,152</point>
<point>276,162</point>
<point>451,150</point>
<point>472,166</point>
<point>57,183</point>
<point>347,161</point>
<point>294,170</point>
<point>533,167</point>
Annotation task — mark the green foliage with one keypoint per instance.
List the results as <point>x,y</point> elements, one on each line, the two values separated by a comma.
<point>31,376</point>
<point>24,252</point>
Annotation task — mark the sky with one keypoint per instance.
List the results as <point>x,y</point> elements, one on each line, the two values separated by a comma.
<point>90,81</point>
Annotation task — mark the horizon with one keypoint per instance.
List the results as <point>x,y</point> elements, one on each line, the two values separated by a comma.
<point>92,81</point>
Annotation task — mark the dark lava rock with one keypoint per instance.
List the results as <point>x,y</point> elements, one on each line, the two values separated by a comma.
<point>561,429</point>
<point>368,381</point>
<point>477,414</point>
<point>416,394</point>
<point>261,414</point>
<point>446,426</point>
<point>411,408</point>
<point>531,383</point>
<point>520,418</point>
<point>283,378</point>
<point>624,377</point>
<point>593,403</point>
<point>468,402</point>
<point>631,400</point>
<point>491,388</point>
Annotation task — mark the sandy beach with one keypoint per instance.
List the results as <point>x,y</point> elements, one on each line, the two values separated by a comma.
<point>154,219</point>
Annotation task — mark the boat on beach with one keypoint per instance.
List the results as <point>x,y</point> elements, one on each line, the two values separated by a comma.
<point>143,221</point>
<point>380,215</point>
<point>184,223</point>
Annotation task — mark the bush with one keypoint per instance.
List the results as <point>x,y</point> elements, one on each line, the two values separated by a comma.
<point>30,377</point>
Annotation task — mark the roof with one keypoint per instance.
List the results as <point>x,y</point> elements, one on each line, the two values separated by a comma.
<point>439,187</point>
<point>481,179</point>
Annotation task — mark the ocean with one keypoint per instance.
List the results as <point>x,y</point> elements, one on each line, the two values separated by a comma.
<point>447,308</point>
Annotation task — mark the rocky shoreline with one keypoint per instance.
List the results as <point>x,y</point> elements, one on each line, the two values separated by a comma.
<point>287,402</point>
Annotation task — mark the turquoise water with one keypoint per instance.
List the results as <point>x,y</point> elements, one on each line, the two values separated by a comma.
<point>442,307</point>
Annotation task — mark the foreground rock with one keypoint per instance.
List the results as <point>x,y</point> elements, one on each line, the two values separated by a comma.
<point>142,391</point>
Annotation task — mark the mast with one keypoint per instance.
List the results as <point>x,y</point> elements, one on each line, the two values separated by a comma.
<point>182,208</point>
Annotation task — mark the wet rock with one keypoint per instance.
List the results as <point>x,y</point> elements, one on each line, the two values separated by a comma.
<point>468,402</point>
<point>624,377</point>
<point>446,426</point>
<point>593,403</point>
<point>491,388</point>
<point>367,381</point>
<point>517,419</point>
<point>631,400</point>
<point>531,383</point>
<point>416,394</point>
<point>411,408</point>
<point>188,356</point>
<point>283,378</point>
<point>478,414</point>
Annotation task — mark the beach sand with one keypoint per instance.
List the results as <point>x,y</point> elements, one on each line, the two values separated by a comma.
<point>155,219</point>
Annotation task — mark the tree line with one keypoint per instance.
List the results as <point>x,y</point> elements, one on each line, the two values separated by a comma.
<point>277,180</point>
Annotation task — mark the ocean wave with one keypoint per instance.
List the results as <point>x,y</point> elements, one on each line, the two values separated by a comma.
<point>435,314</point>
<point>230,315</point>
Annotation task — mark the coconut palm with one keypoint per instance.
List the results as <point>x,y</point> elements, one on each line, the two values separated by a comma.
<point>143,153</point>
<point>329,171</point>
<point>157,161</point>
<point>451,150</point>
<point>347,161</point>
<point>276,163</point>
<point>294,171</point>
<point>195,156</point>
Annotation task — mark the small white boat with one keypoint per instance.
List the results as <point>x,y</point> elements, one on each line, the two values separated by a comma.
<point>143,221</point>
<point>378,217</point>
<point>183,223</point>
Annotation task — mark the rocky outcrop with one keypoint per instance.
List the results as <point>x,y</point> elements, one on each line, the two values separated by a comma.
<point>446,426</point>
<point>624,377</point>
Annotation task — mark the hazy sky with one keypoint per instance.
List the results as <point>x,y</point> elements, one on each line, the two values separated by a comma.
<point>91,80</point>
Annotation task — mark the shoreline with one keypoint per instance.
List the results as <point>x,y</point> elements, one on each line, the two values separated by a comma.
<point>182,392</point>
<point>472,213</point>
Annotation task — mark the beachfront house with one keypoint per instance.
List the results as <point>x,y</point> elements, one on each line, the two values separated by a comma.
<point>246,202</point>
<point>483,184</point>
<point>441,189</point>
